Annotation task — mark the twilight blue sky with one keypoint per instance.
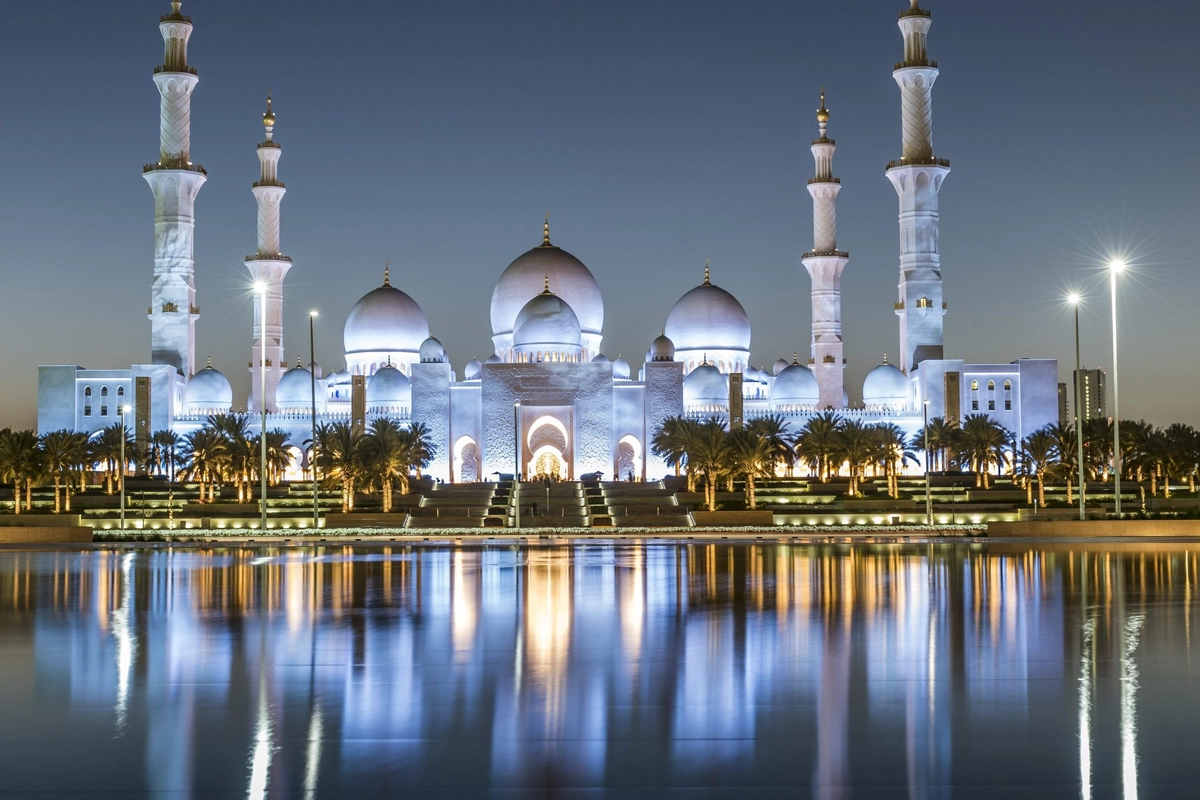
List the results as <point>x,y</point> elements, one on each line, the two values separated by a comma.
<point>657,134</point>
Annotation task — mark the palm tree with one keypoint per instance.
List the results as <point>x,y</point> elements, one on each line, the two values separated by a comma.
<point>340,458</point>
<point>20,463</point>
<point>164,456</point>
<point>817,444</point>
<point>773,429</point>
<point>942,439</point>
<point>106,450</point>
<point>1185,444</point>
<point>1041,449</point>
<point>205,456</point>
<point>982,443</point>
<point>1097,446</point>
<point>63,452</point>
<point>1066,455</point>
<point>240,460</point>
<point>857,446</point>
<point>671,441</point>
<point>709,456</point>
<point>894,452</point>
<point>751,456</point>
<point>421,448</point>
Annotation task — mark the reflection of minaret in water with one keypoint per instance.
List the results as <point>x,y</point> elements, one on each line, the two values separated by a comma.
<point>825,264</point>
<point>918,177</point>
<point>268,267</point>
<point>175,181</point>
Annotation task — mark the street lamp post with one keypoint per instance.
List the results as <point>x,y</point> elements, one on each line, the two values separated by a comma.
<point>517,463</point>
<point>312,453</point>
<point>261,289</point>
<point>1115,268</point>
<point>1074,300</point>
<point>124,411</point>
<point>928,493</point>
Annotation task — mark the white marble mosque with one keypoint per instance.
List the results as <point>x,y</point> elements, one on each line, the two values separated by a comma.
<point>548,382</point>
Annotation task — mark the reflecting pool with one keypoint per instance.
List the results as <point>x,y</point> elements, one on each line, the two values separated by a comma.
<point>600,670</point>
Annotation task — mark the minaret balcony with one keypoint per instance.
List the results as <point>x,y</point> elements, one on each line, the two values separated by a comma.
<point>811,181</point>
<point>180,18</point>
<point>908,64</point>
<point>194,310</point>
<point>174,162</point>
<point>168,69</point>
<point>825,254</point>
<point>269,257</point>
<point>279,184</point>
<point>915,12</point>
<point>932,161</point>
<point>268,145</point>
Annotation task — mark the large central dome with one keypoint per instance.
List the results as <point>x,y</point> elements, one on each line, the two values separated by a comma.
<point>525,278</point>
<point>709,324</point>
<point>385,325</point>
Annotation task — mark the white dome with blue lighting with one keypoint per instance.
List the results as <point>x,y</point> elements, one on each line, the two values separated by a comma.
<point>209,392</point>
<point>886,388</point>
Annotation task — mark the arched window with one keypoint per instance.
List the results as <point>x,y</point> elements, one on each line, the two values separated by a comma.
<point>87,391</point>
<point>104,391</point>
<point>991,386</point>
<point>974,386</point>
<point>1008,386</point>
<point>120,391</point>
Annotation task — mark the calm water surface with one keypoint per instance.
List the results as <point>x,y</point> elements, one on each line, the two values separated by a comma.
<point>655,670</point>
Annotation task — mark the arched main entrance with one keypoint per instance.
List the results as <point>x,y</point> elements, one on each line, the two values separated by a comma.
<point>628,465</point>
<point>548,464</point>
<point>548,446</point>
<point>466,460</point>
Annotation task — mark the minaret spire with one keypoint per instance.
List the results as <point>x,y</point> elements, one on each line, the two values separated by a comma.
<point>175,181</point>
<point>917,177</point>
<point>546,231</point>
<point>268,266</point>
<point>387,277</point>
<point>825,264</point>
<point>707,282</point>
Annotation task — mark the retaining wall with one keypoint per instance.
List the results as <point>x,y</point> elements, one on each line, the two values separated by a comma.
<point>1165,528</point>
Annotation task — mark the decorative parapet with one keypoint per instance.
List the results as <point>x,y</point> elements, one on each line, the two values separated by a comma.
<point>169,69</point>
<point>175,18</point>
<point>905,161</point>
<point>898,306</point>
<point>280,184</point>
<point>180,161</point>
<point>169,308</point>
<point>915,12</point>
<point>194,310</point>
<point>264,257</point>
<point>825,254</point>
<point>811,181</point>
<point>916,63</point>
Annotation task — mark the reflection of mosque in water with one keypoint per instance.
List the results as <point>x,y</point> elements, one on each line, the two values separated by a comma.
<point>696,664</point>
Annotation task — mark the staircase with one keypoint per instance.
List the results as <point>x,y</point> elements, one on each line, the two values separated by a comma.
<point>641,505</point>
<point>450,505</point>
<point>555,505</point>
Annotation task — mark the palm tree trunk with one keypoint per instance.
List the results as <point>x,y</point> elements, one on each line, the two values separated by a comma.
<point>1041,488</point>
<point>29,494</point>
<point>16,495</point>
<point>750,490</point>
<point>57,495</point>
<point>1070,501</point>
<point>387,496</point>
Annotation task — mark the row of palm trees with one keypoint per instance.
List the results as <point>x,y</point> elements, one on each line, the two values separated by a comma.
<point>830,444</point>
<point>224,452</point>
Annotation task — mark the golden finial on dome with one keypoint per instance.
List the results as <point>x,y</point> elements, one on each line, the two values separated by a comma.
<point>387,281</point>
<point>299,363</point>
<point>269,116</point>
<point>546,288</point>
<point>795,358</point>
<point>210,362</point>
<point>823,112</point>
<point>707,282</point>
<point>546,231</point>
<point>704,363</point>
<point>885,354</point>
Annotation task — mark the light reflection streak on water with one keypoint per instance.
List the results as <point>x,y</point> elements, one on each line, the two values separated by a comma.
<point>126,642</point>
<point>263,746</point>
<point>312,760</point>
<point>1085,709</point>
<point>1129,687</point>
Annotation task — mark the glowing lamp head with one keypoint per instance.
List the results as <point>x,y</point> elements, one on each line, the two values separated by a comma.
<point>313,314</point>
<point>1117,266</point>
<point>260,287</point>
<point>1074,299</point>
<point>125,409</point>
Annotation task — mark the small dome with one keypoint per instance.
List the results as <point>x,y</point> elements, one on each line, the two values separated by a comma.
<point>600,359</point>
<point>662,349</point>
<point>494,359</point>
<point>295,390</point>
<point>388,391</point>
<point>709,320</point>
<point>209,392</point>
<point>886,387</point>
<point>705,386</point>
<point>779,366</point>
<point>385,320</point>
<point>547,321</point>
<point>472,369</point>
<point>432,351</point>
<point>620,369</point>
<point>794,386</point>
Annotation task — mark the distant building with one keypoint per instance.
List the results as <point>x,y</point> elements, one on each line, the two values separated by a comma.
<point>1064,414</point>
<point>1094,404</point>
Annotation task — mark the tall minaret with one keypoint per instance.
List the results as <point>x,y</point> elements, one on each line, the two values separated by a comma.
<point>918,177</point>
<point>825,264</point>
<point>175,181</point>
<point>268,267</point>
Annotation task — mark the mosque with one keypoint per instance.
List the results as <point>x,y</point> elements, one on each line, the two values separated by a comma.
<point>547,398</point>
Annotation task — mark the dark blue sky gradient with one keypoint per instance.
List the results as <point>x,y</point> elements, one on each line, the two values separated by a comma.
<point>657,135</point>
